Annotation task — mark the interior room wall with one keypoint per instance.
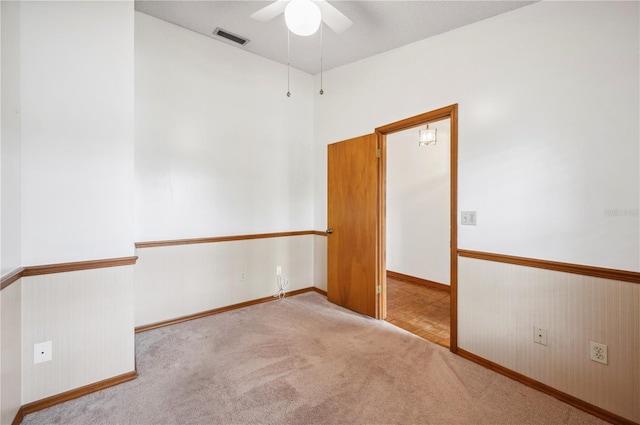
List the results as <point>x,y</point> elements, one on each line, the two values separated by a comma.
<point>320,262</point>
<point>220,148</point>
<point>88,317</point>
<point>545,181</point>
<point>418,204</point>
<point>10,258</point>
<point>76,99</point>
<point>77,131</point>
<point>501,303</point>
<point>10,359</point>
<point>219,274</point>
<point>10,208</point>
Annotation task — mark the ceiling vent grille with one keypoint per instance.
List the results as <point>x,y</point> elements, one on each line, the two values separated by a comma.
<point>219,32</point>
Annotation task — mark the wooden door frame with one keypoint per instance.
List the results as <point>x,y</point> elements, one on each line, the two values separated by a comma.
<point>450,112</point>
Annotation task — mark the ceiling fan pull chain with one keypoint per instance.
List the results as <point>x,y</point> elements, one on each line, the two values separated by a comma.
<point>288,61</point>
<point>321,91</point>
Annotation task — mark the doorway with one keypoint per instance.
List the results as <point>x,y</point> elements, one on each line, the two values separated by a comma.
<point>386,135</point>
<point>418,230</point>
<point>356,218</point>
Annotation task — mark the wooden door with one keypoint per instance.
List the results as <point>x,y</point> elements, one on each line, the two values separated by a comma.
<point>353,245</point>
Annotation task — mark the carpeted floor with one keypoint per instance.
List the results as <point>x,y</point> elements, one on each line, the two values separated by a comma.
<point>303,360</point>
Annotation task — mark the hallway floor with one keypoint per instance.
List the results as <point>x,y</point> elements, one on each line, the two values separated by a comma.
<point>419,309</point>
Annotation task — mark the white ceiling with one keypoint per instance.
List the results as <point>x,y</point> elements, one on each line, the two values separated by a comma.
<point>378,26</point>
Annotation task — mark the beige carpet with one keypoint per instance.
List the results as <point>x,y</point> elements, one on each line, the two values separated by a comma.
<point>303,360</point>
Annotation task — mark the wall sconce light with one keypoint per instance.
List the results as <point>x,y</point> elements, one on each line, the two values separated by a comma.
<point>302,17</point>
<point>427,136</point>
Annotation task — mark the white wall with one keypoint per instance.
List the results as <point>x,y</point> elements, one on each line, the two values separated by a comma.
<point>10,203</point>
<point>67,194</point>
<point>320,262</point>
<point>77,131</point>
<point>418,204</point>
<point>220,149</point>
<point>10,138</point>
<point>181,280</point>
<point>88,317</point>
<point>530,85</point>
<point>10,359</point>
<point>500,304</point>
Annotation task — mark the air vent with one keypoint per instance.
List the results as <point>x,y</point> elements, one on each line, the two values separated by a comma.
<point>231,37</point>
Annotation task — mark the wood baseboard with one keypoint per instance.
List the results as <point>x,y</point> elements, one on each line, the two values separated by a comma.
<point>419,281</point>
<point>318,290</point>
<point>569,399</point>
<point>72,394</point>
<point>200,315</point>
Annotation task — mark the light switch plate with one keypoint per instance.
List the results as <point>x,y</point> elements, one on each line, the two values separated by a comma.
<point>468,218</point>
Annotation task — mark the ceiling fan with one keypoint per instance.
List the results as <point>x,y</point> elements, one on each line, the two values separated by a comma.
<point>305,10</point>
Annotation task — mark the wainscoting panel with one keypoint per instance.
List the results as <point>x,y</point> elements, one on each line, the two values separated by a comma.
<point>499,304</point>
<point>181,280</point>
<point>88,316</point>
<point>11,384</point>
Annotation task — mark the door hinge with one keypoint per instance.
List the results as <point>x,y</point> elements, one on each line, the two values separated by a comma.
<point>378,153</point>
<point>378,289</point>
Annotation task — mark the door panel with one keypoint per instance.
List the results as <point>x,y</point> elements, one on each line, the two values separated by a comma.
<point>353,246</point>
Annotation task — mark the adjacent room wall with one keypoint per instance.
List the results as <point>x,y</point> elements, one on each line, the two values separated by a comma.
<point>545,181</point>
<point>418,204</point>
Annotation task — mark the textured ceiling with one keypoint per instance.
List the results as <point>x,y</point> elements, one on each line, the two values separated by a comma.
<point>378,26</point>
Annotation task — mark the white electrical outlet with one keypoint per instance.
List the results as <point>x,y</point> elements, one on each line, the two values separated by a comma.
<point>42,352</point>
<point>468,218</point>
<point>242,275</point>
<point>598,352</point>
<point>278,270</point>
<point>539,335</point>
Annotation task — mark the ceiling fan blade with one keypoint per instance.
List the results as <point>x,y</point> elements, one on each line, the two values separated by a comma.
<point>334,19</point>
<point>267,13</point>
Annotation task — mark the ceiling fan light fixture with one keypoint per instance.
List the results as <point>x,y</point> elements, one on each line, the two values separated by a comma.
<point>302,17</point>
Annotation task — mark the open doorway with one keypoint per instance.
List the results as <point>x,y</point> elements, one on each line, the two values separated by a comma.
<point>448,117</point>
<point>418,221</point>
